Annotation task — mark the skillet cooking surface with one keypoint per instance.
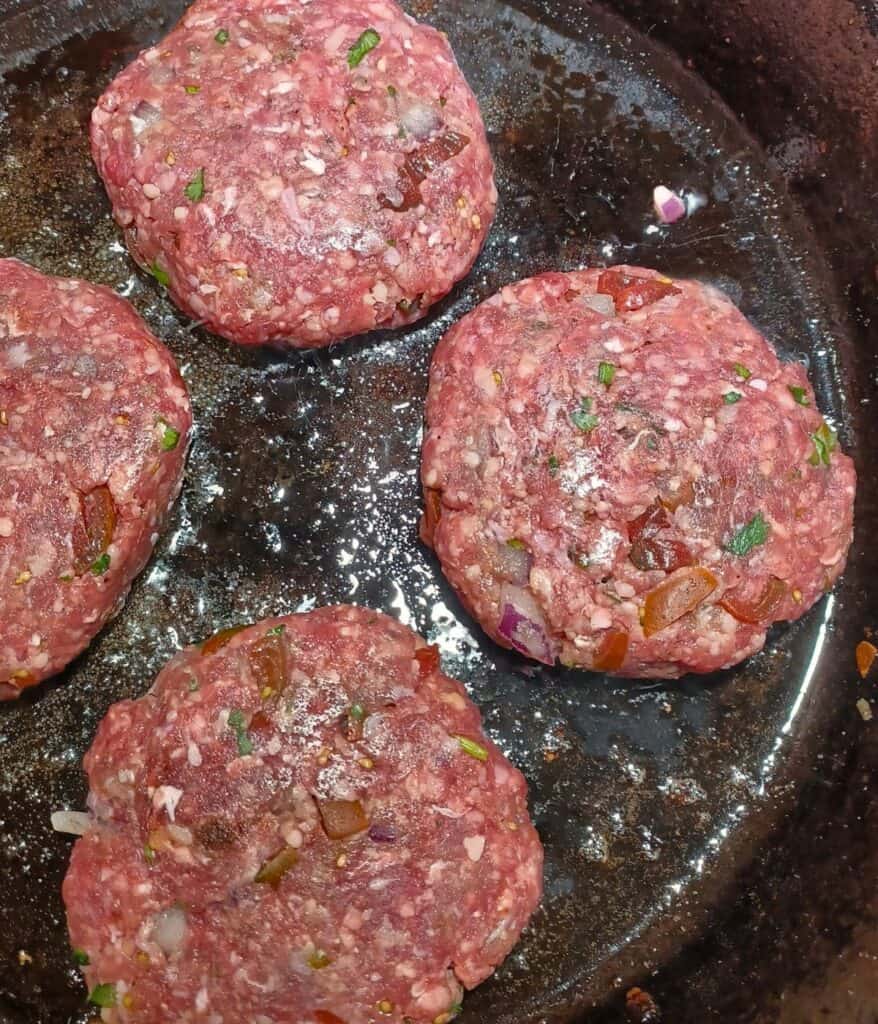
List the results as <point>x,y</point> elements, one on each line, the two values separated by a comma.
<point>302,490</point>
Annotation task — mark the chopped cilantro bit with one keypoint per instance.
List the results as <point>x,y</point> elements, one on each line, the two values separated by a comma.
<point>519,545</point>
<point>799,394</point>
<point>583,417</point>
<point>277,630</point>
<point>606,374</point>
<point>825,442</point>
<point>81,957</point>
<point>742,371</point>
<point>749,536</point>
<point>367,41</point>
<point>222,37</point>
<point>193,685</point>
<point>236,724</point>
<point>170,437</point>
<point>193,89</point>
<point>553,464</point>
<point>357,712</point>
<point>149,854</point>
<point>730,397</point>
<point>103,995</point>
<point>100,565</point>
<point>162,276</point>
<point>66,578</point>
<point>318,960</point>
<point>195,189</point>
<point>401,132</point>
<point>472,748</point>
<point>391,91</point>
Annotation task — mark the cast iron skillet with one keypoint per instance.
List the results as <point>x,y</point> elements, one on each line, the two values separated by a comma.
<point>711,841</point>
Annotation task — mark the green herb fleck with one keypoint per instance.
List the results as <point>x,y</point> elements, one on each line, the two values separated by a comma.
<point>401,133</point>
<point>606,374</point>
<point>236,724</point>
<point>825,442</point>
<point>222,37</point>
<point>455,1010</point>
<point>515,543</point>
<point>357,712</point>
<point>162,276</point>
<point>799,394</point>
<point>100,566</point>
<point>578,558</point>
<point>194,191</point>
<point>391,91</point>
<point>553,464</point>
<point>66,578</point>
<point>170,437</point>
<point>749,536</point>
<point>583,417</point>
<point>742,371</point>
<point>149,854</point>
<point>472,748</point>
<point>103,995</point>
<point>277,630</point>
<point>193,685</point>
<point>318,960</point>
<point>367,41</point>
<point>730,397</point>
<point>193,89</point>
<point>81,957</point>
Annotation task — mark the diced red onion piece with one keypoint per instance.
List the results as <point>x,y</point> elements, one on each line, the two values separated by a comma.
<point>602,304</point>
<point>523,625</point>
<point>383,834</point>
<point>144,116</point>
<point>72,823</point>
<point>669,207</point>
<point>169,930</point>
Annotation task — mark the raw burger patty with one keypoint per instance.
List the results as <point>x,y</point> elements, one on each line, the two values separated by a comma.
<point>289,183</point>
<point>94,423</point>
<point>300,823</point>
<point>619,473</point>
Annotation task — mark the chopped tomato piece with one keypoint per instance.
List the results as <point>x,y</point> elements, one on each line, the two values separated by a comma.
<point>630,292</point>
<point>675,597</point>
<point>427,659</point>
<point>673,497</point>
<point>759,610</point>
<point>342,818</point>
<point>219,640</point>
<point>98,524</point>
<point>432,515</point>
<point>325,1017</point>
<point>419,165</point>
<point>866,654</point>
<point>648,550</point>
<point>610,654</point>
<point>268,662</point>
<point>274,869</point>
<point>260,723</point>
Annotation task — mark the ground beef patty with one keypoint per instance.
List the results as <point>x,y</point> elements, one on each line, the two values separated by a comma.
<point>94,423</point>
<point>621,474</point>
<point>300,823</point>
<point>298,172</point>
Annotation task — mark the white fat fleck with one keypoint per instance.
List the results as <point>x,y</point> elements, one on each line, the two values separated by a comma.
<point>201,1000</point>
<point>126,775</point>
<point>758,384</point>
<point>193,754</point>
<point>18,354</point>
<point>313,163</point>
<point>167,797</point>
<point>6,527</point>
<point>475,847</point>
<point>151,191</point>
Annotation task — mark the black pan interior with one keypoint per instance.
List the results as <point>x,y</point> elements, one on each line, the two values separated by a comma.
<point>302,490</point>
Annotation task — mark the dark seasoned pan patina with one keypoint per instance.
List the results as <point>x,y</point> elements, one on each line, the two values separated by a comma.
<point>668,811</point>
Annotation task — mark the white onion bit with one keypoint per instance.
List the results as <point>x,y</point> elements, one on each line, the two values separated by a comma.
<point>71,823</point>
<point>169,930</point>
